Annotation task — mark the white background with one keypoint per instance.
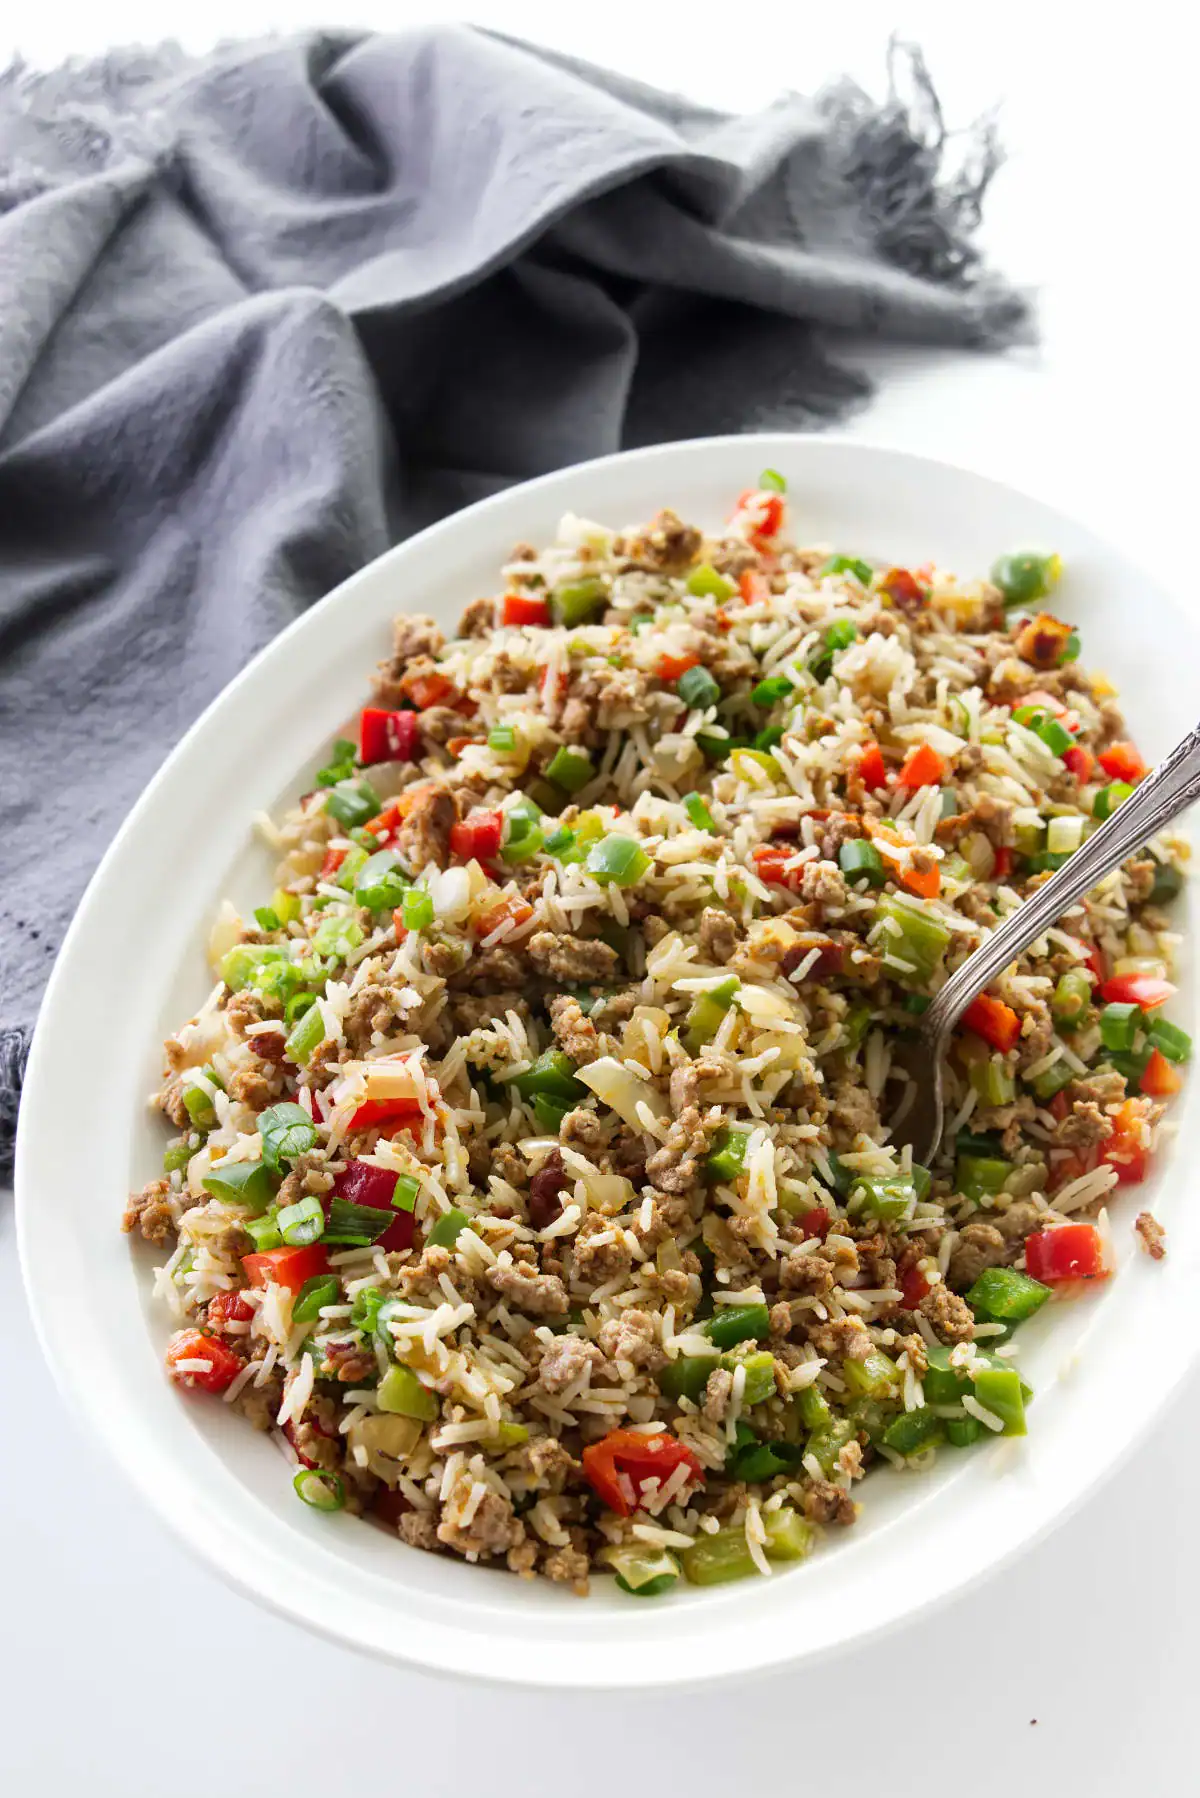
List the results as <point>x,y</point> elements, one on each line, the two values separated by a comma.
<point>125,1669</point>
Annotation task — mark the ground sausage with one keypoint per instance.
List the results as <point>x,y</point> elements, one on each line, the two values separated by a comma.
<point>666,544</point>
<point>566,1360</point>
<point>539,1295</point>
<point>151,1212</point>
<point>949,1315</point>
<point>631,1337</point>
<point>823,1502</point>
<point>718,935</point>
<point>424,835</point>
<point>597,1261</point>
<point>978,1246</point>
<point>717,1394</point>
<point>491,1529</point>
<point>571,957</point>
<point>1151,1233</point>
<point>675,1167</point>
<point>574,1030</point>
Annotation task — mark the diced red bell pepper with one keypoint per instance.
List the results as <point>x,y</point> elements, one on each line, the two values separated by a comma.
<point>333,861</point>
<point>753,586</point>
<point>519,910</point>
<point>376,1113</point>
<point>904,589</point>
<point>923,767</point>
<point>616,1466</point>
<point>830,958</point>
<point>399,927</point>
<point>1159,1078</point>
<point>926,883</point>
<point>1094,962</point>
<point>914,1286</point>
<point>1125,1151</point>
<point>993,1020</point>
<point>364,1184</point>
<point>477,837</point>
<point>771,865</point>
<point>228,1308</point>
<point>816,1222</point>
<point>871,769</point>
<point>524,608</point>
<point>1059,1107</point>
<point>761,511</point>
<point>1065,1252</point>
<point>192,1345</point>
<point>1080,761</point>
<point>671,667</point>
<point>429,689</point>
<point>1146,990</point>
<point>289,1430</point>
<point>1121,761</point>
<point>1002,863</point>
<point>388,736</point>
<point>286,1267</point>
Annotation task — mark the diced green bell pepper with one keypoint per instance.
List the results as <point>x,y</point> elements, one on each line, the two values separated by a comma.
<point>727,1157</point>
<point>575,602</point>
<point>617,860</point>
<point>921,940</point>
<point>913,1431</point>
<point>1024,576</point>
<point>706,583</point>
<point>445,1233</point>
<point>401,1393</point>
<point>707,1014</point>
<point>999,1390</point>
<point>737,1323</point>
<point>1006,1295</point>
<point>874,1377</point>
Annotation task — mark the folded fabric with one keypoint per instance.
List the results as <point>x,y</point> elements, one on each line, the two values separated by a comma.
<point>265,313</point>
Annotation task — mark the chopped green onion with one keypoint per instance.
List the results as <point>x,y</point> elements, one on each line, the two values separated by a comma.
<point>773,688</point>
<point>321,1289</point>
<point>856,1023</point>
<point>706,583</point>
<point>737,1323</point>
<point>337,935</point>
<point>322,1491</point>
<point>364,1312</point>
<point>502,738</point>
<point>296,1007</point>
<point>767,739</point>
<point>404,1194</point>
<point>264,1232</point>
<point>523,839</point>
<point>860,860</point>
<point>353,803</point>
<point>916,1003</point>
<point>379,883</point>
<point>239,964</point>
<point>577,601</point>
<point>1055,736</point>
<point>355,1225</point>
<point>1170,1040</point>
<point>286,1131</point>
<point>265,918</point>
<point>841,634</point>
<point>445,1233</point>
<point>697,810</point>
<point>772,481</point>
<point>416,909</point>
<point>198,1102</point>
<point>861,571</point>
<point>177,1154</point>
<point>727,1156</point>
<point>922,938</point>
<point>240,1183</point>
<point>401,1393</point>
<point>1119,1025</point>
<point>716,748</point>
<point>352,861</point>
<point>993,1081</point>
<point>1052,1080</point>
<point>697,688</point>
<point>570,769</point>
<point>1072,996</point>
<point>301,1223</point>
<point>1045,862</point>
<point>1023,576</point>
<point>1003,1295</point>
<point>618,860</point>
<point>1110,797</point>
<point>342,758</point>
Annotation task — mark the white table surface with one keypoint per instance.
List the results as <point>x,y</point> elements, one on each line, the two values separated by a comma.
<point>1074,1671</point>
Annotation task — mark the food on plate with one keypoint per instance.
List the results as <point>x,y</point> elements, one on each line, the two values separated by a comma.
<point>530,1173</point>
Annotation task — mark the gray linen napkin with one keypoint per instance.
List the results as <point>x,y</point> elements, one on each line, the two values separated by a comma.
<point>265,313</point>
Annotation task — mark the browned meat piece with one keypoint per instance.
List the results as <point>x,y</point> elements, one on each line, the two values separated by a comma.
<point>581,1126</point>
<point>855,1113</point>
<point>1018,1221</point>
<point>415,634</point>
<point>259,1405</point>
<point>717,1394</point>
<point>597,1261</point>
<point>823,1502</point>
<point>538,1295</point>
<point>675,1167</point>
<point>718,935</point>
<point>371,1011</point>
<point>571,957</point>
<point>914,1347</point>
<point>994,817</point>
<point>424,836</point>
<point>823,885</point>
<point>631,1337</point>
<point>811,1273</point>
<point>307,1175</point>
<point>170,1101</point>
<point>1151,1233</point>
<point>1098,1089</point>
<point>546,1190</point>
<point>522,1560</point>
<point>151,1212</point>
<point>548,1460</point>
<point>614,1008</point>
<point>687,1079</point>
<point>574,1030</point>
<point>419,1530</point>
<point>950,1316</point>
<point>780,1319</point>
<point>568,1567</point>
<point>666,546</point>
<point>615,697</point>
<point>439,723</point>
<point>247,1008</point>
<point>978,1246</point>
<point>733,556</point>
<point>842,1339</point>
<point>1084,1125</point>
<point>490,1529</point>
<point>493,970</point>
<point>839,829</point>
<point>252,1087</point>
<point>472,1011</point>
<point>419,1280</point>
<point>478,618</point>
<point>566,1360</point>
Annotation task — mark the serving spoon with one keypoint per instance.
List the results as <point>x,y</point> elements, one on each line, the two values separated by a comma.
<point>1169,790</point>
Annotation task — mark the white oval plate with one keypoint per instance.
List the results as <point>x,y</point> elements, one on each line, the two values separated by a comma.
<point>132,966</point>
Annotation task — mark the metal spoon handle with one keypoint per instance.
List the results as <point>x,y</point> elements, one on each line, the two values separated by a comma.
<point>1173,785</point>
